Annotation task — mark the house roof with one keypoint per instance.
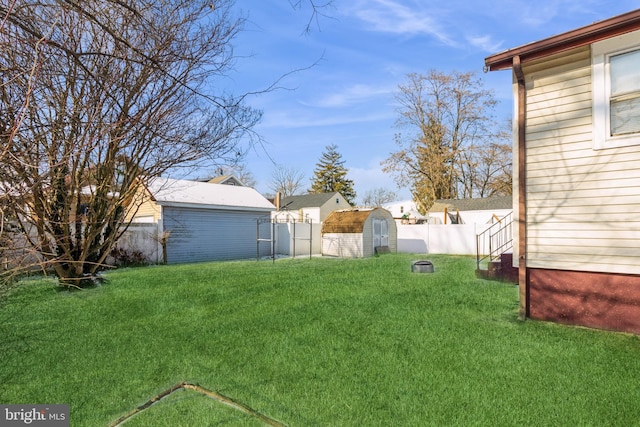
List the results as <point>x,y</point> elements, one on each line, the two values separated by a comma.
<point>346,221</point>
<point>174,192</point>
<point>306,201</point>
<point>582,36</point>
<point>226,179</point>
<point>480,204</point>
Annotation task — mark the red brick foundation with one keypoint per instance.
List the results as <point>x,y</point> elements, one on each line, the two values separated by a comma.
<point>594,300</point>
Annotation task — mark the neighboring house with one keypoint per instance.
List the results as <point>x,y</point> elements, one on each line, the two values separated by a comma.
<point>227,180</point>
<point>298,219</point>
<point>204,221</point>
<point>358,233</point>
<point>577,145</point>
<point>406,212</point>
<point>484,210</point>
<point>309,207</point>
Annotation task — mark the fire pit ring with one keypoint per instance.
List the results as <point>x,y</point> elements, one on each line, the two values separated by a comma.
<point>422,266</point>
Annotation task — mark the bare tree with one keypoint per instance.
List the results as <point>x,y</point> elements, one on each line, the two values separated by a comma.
<point>487,170</point>
<point>287,181</point>
<point>495,172</point>
<point>102,96</point>
<point>378,197</point>
<point>446,115</point>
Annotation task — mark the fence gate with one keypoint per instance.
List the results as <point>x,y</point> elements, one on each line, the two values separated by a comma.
<point>265,235</point>
<point>285,238</point>
<point>302,237</point>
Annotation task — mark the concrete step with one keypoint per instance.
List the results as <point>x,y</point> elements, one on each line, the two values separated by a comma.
<point>502,270</point>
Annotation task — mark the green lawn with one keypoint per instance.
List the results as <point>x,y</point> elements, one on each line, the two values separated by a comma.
<point>311,343</point>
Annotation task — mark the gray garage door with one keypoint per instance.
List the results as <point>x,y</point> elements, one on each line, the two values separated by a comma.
<point>209,235</point>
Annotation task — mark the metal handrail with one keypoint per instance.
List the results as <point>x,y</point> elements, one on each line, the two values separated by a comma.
<point>495,240</point>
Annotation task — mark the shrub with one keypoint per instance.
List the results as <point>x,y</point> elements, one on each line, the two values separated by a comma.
<point>128,258</point>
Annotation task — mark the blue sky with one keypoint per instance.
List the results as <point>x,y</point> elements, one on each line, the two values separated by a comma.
<point>362,51</point>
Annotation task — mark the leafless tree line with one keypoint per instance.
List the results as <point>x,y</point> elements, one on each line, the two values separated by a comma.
<point>451,146</point>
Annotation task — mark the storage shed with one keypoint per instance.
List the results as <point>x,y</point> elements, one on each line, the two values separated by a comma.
<point>358,233</point>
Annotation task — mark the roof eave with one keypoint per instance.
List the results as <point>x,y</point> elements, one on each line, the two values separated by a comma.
<point>582,36</point>
<point>216,207</point>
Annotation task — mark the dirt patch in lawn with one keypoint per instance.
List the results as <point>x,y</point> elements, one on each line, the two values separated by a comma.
<point>209,393</point>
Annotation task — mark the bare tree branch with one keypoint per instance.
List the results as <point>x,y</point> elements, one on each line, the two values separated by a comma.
<point>288,181</point>
<point>317,10</point>
<point>378,197</point>
<point>103,96</point>
<point>450,134</point>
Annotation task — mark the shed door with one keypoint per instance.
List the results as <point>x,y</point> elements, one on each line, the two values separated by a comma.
<point>380,233</point>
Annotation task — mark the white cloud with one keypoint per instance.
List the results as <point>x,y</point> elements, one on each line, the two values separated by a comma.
<point>542,14</point>
<point>485,43</point>
<point>393,17</point>
<point>538,15</point>
<point>290,119</point>
<point>355,94</point>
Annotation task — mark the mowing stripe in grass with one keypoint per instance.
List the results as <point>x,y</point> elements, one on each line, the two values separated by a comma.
<point>209,393</point>
<point>320,342</point>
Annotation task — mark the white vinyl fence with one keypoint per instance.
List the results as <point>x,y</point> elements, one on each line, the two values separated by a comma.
<point>140,242</point>
<point>298,239</point>
<point>143,238</point>
<point>455,239</point>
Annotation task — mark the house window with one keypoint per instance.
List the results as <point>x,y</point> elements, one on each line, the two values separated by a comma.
<point>624,101</point>
<point>616,91</point>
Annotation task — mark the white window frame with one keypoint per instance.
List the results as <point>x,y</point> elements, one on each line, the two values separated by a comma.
<point>601,86</point>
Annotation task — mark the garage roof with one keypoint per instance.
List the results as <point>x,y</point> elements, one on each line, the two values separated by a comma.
<point>175,192</point>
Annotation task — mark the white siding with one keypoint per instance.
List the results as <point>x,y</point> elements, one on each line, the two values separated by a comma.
<point>367,236</point>
<point>348,245</point>
<point>583,205</point>
<point>336,203</point>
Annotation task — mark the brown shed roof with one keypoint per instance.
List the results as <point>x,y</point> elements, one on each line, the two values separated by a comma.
<point>582,36</point>
<point>346,221</point>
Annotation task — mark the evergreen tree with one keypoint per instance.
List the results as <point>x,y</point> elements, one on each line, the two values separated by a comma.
<point>330,175</point>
